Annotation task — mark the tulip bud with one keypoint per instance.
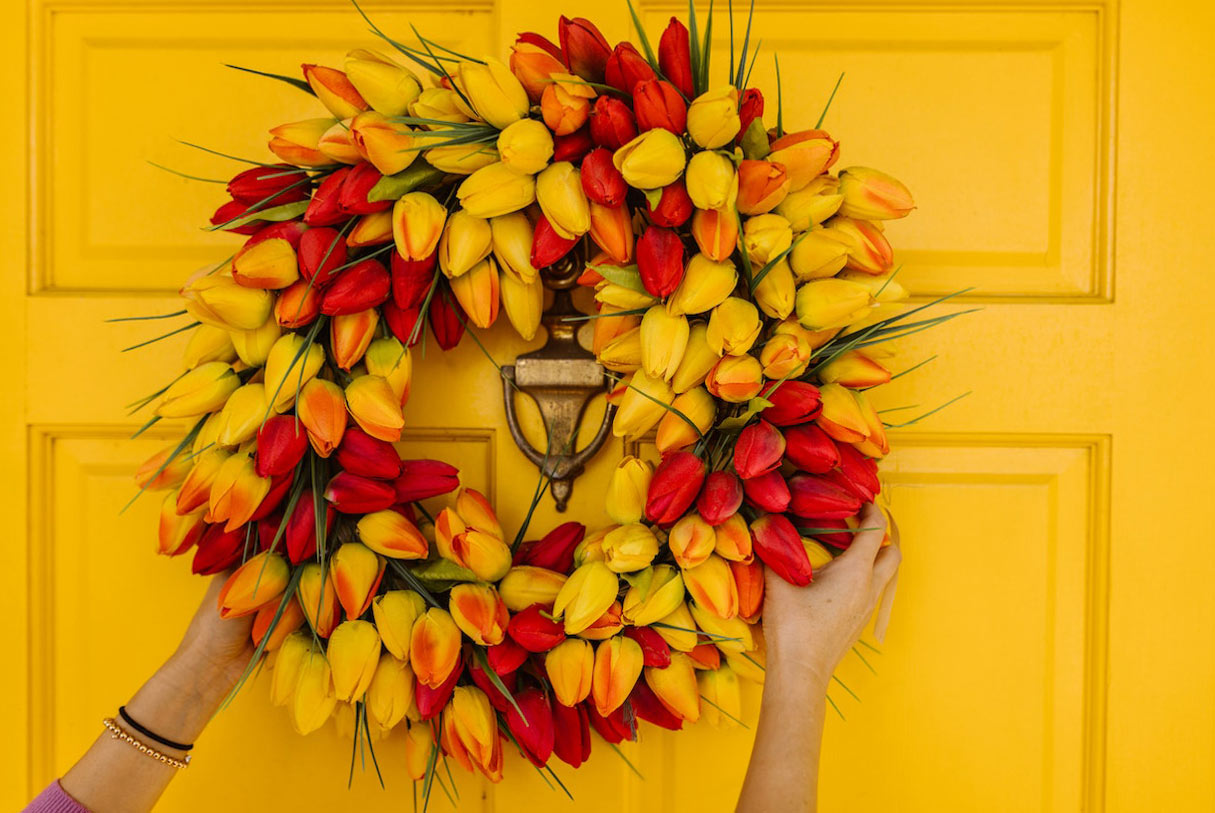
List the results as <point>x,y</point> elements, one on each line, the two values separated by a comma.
<point>351,494</point>
<point>253,346</point>
<point>691,541</point>
<point>559,193</point>
<point>854,369</point>
<point>676,483</point>
<point>776,292</point>
<point>390,693</point>
<point>629,548</point>
<point>313,701</point>
<point>721,497</point>
<point>395,613</point>
<point>676,687</point>
<point>793,402</point>
<point>868,249</point>
<point>321,253</point>
<point>163,470</point>
<point>419,750</point>
<point>241,415</point>
<point>585,596</point>
<point>711,586</point>
<point>705,285</point>
<point>209,343</point>
<point>430,701</point>
<point>375,407</point>
<point>733,327</point>
<point>758,450</point>
<point>841,417</point>
<point>356,571</point>
<point>663,340</point>
<point>465,242</point>
<point>858,473</point>
<point>831,303</point>
<point>390,147</point>
<point>217,550</point>
<point>385,85</point>
<point>806,155</point>
<point>259,581</point>
<point>674,57</point>
<point>266,264</point>
<point>711,181</point>
<point>291,654</point>
<point>360,453</point>
<point>297,305</point>
<point>873,195</point>
<point>778,545</point>
<point>818,255</point>
<point>297,143</point>
<point>612,230</point>
<point>353,654</point>
<point>434,647</point>
<point>176,533</point>
<point>422,479</point>
<point>626,67</point>
<point>570,668</point>
<point>350,335</point>
<point>735,379</point>
<point>715,232</point>
<point>618,664</point>
<point>657,104</point>
<point>495,93</point>
<point>565,104</point>
<point>586,51</point>
<point>625,499</point>
<point>690,418</point>
<point>554,551</point>
<point>204,389</point>
<point>291,363</point>
<point>660,260</point>
<point>362,286</point>
<point>547,246</point>
<point>766,237</point>
<point>496,190</point>
<point>417,225</point>
<point>322,410</point>
<point>391,534</point>
<point>713,118</point>
<point>698,359</point>
<point>318,599</point>
<point>762,186</point>
<point>652,160</point>
<point>642,406</point>
<point>470,732</point>
<point>236,492</point>
<point>611,122</point>
<point>815,497</point>
<point>531,724</point>
<point>526,146</point>
<point>810,449</point>
<point>533,63</point>
<point>441,104</point>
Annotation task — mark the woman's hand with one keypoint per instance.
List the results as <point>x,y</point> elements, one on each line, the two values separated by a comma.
<point>808,631</point>
<point>811,628</point>
<point>217,649</point>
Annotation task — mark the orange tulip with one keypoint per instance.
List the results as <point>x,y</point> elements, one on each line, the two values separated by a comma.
<point>177,533</point>
<point>691,541</point>
<point>676,687</point>
<point>873,195</point>
<point>334,90</point>
<point>570,668</point>
<point>842,417</point>
<point>618,663</point>
<point>289,621</point>
<point>749,582</point>
<point>470,732</point>
<point>735,379</point>
<point>612,230</point>
<point>711,585</point>
<point>479,612</point>
<point>715,232</point>
<point>389,145</point>
<point>375,407</point>
<point>805,154</point>
<point>391,534</point>
<point>322,410</point>
<point>350,335</point>
<point>259,581</point>
<point>417,225</point>
<point>318,599</point>
<point>434,647</point>
<point>762,185</point>
<point>266,264</point>
<point>297,143</point>
<point>565,104</point>
<point>478,292</point>
<point>356,571</point>
<point>236,492</point>
<point>160,471</point>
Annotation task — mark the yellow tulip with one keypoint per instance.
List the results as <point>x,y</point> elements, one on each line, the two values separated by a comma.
<point>652,160</point>
<point>353,654</point>
<point>478,293</point>
<point>641,406</point>
<point>627,488</point>
<point>831,303</point>
<point>318,599</point>
<point>704,286</point>
<point>776,292</point>
<point>287,663</point>
<point>242,415</point>
<point>297,143</point>
<point>585,596</point>
<point>511,240</point>
<point>711,585</point>
<point>461,159</point>
<point>765,237</point>
<point>728,634</point>
<point>526,146</point>
<point>691,541</point>
<point>387,87</point>
<point>676,686</point>
<point>674,432</point>
<point>523,302</point>
<point>204,389</point>
<point>465,242</point>
<point>629,548</point>
<point>495,190</point>
<point>655,593</point>
<point>209,343</point>
<point>713,119</point>
<point>721,691</point>
<point>390,693</point>
<point>266,264</point>
<point>334,90</point>
<point>811,205</point>
<point>570,667</point>
<point>733,327</point>
<point>395,613</point>
<point>314,700</point>
<point>337,143</point>
<point>441,104</point>
<point>389,145</point>
<point>218,300</point>
<point>289,366</point>
<point>698,359</point>
<point>663,338</point>
<point>495,93</point>
<point>525,585</point>
<point>417,225</point>
<point>873,195</point>
<point>736,379</point>
<point>785,355</point>
<point>253,346</point>
<point>678,628</point>
<point>818,255</point>
<point>479,612</point>
<point>559,193</point>
<point>618,663</point>
<point>712,181</point>
<point>388,358</point>
<point>434,647</point>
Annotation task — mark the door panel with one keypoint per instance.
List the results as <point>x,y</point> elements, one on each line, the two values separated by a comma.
<point>1051,647</point>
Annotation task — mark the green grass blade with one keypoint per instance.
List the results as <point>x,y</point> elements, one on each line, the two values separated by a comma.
<point>830,99</point>
<point>290,80</point>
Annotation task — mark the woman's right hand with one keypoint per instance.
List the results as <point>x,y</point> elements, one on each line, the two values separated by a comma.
<point>813,627</point>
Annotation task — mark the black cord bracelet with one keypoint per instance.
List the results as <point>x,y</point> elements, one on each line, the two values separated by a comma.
<point>126,718</point>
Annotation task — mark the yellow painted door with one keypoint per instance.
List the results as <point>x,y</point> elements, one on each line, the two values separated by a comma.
<point>1052,647</point>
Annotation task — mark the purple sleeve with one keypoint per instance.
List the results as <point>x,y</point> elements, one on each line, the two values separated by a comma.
<point>53,799</point>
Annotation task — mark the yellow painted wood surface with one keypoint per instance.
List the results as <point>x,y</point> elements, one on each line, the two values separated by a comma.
<point>1052,645</point>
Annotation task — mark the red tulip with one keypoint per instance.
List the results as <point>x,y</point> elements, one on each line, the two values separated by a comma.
<point>532,725</point>
<point>720,498</point>
<point>601,181</point>
<point>432,701</point>
<point>411,279</point>
<point>232,210</point>
<point>555,551</point>
<point>300,533</point>
<point>655,651</point>
<point>758,449</point>
<point>675,57</point>
<point>547,246</point>
<point>647,706</point>
<point>359,453</point>
<point>750,108</point>
<point>768,492</point>
<point>572,734</point>
<point>625,68</point>
<point>793,402</point>
<point>858,472</point>
<point>658,104</point>
<point>325,208</point>
<point>361,286</point>
<point>674,487</point>
<point>289,230</point>
<point>281,443</point>
<point>585,50</point>
<point>352,494</point>
<point>779,546</point>
<point>612,123</point>
<point>811,449</point>
<point>321,251</point>
<point>674,206</point>
<point>816,497</point>
<point>446,319</point>
<point>612,728</point>
<point>279,486</point>
<point>660,260</point>
<point>352,198</point>
<point>506,657</point>
<point>217,551</point>
<point>402,322</point>
<point>422,479</point>
<point>573,146</point>
<point>534,632</point>
<point>257,184</point>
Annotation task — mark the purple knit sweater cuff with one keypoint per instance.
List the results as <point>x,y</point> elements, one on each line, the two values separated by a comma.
<point>54,800</point>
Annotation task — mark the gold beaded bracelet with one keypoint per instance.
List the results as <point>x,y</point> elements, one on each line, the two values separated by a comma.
<point>117,733</point>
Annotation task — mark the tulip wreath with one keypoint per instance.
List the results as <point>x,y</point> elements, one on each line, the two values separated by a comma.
<point>745,301</point>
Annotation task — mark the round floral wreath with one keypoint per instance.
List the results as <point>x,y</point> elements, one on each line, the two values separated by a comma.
<point>744,305</point>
